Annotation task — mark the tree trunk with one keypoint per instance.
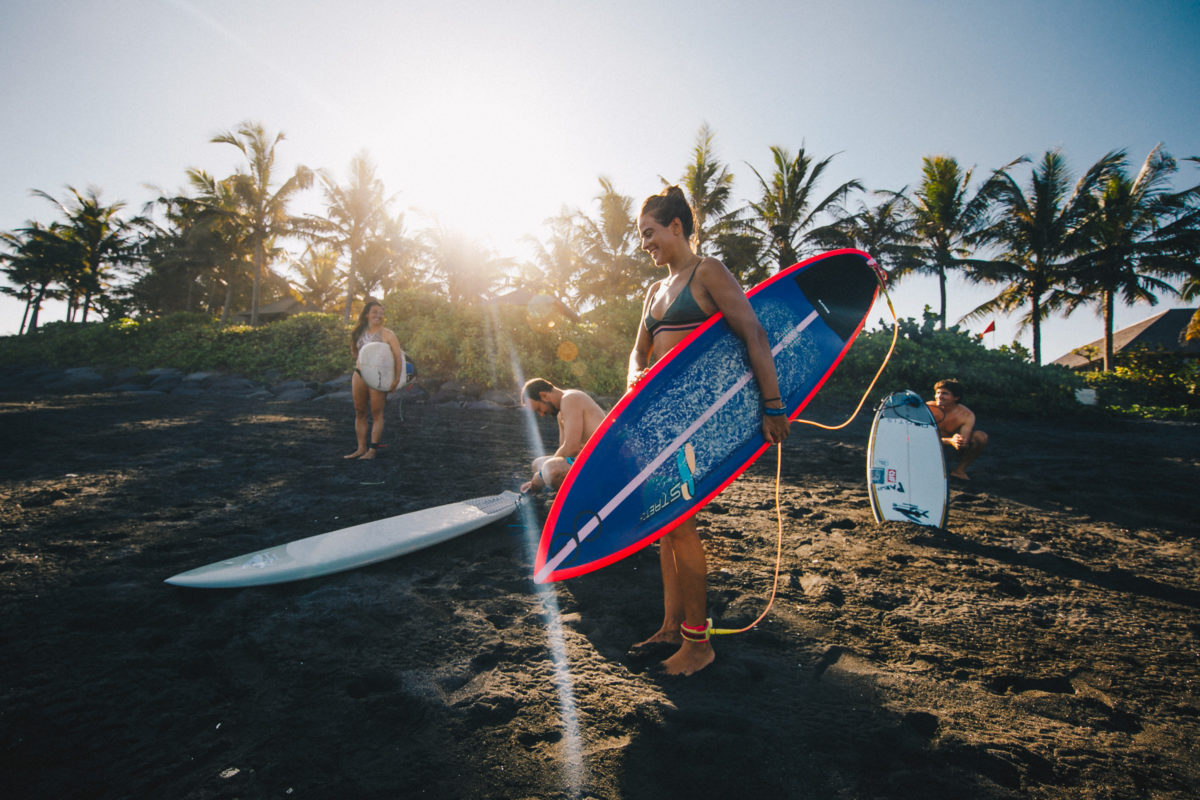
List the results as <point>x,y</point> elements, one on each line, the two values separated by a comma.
<point>25,316</point>
<point>786,256</point>
<point>228,302</point>
<point>1037,330</point>
<point>942,290</point>
<point>37,307</point>
<point>349,296</point>
<point>259,257</point>
<point>1108,331</point>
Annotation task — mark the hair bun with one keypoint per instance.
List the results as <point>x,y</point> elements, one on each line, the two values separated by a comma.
<point>671,203</point>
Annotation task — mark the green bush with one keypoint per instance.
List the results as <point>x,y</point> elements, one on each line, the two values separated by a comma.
<point>996,381</point>
<point>1145,382</point>
<point>305,346</point>
<point>488,344</point>
<point>497,345</point>
<point>311,346</point>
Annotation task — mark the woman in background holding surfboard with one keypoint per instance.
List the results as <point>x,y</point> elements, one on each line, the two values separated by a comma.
<point>695,288</point>
<point>367,400</point>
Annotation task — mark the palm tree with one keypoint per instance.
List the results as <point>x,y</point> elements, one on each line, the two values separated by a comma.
<point>1132,248</point>
<point>169,277</point>
<point>883,230</point>
<point>742,252</point>
<point>556,261</point>
<point>96,239</point>
<point>319,276</point>
<point>389,259</point>
<point>1038,233</point>
<point>468,269</point>
<point>612,264</point>
<point>218,237</point>
<point>357,215</point>
<point>37,258</point>
<point>943,219</point>
<point>786,214</point>
<point>709,185</point>
<point>196,258</point>
<point>1184,229</point>
<point>264,210</point>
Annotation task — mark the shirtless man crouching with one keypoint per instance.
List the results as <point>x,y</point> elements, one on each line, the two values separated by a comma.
<point>578,418</point>
<point>956,426</point>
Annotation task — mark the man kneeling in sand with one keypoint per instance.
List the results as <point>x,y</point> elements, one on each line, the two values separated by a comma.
<point>956,425</point>
<point>578,418</point>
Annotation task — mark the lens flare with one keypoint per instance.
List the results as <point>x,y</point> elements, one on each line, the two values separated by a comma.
<point>568,351</point>
<point>540,312</point>
<point>563,683</point>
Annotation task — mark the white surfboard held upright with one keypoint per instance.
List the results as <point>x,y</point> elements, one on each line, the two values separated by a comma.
<point>352,547</point>
<point>906,470</point>
<point>377,366</point>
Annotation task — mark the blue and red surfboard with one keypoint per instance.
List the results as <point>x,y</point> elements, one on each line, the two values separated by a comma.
<point>694,422</point>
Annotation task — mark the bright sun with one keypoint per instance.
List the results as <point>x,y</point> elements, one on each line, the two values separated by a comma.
<point>484,164</point>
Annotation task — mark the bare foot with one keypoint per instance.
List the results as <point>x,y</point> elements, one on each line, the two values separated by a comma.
<point>690,659</point>
<point>962,476</point>
<point>367,456</point>
<point>355,454</point>
<point>664,636</point>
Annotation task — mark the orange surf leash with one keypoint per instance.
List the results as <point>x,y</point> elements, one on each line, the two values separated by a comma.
<point>702,634</point>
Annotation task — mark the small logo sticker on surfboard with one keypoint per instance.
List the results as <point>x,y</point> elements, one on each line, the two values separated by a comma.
<point>914,513</point>
<point>685,465</point>
<point>885,477</point>
<point>685,462</point>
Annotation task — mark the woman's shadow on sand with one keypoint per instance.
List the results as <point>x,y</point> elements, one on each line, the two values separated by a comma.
<point>777,715</point>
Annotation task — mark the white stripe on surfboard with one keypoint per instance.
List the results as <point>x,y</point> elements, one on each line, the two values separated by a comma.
<point>679,440</point>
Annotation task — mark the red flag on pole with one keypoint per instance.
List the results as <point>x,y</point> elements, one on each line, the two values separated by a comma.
<point>991,327</point>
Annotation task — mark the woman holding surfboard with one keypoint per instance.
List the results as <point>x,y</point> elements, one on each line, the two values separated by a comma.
<point>370,401</point>
<point>696,287</point>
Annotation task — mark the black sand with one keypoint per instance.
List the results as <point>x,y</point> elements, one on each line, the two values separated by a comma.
<point>1045,645</point>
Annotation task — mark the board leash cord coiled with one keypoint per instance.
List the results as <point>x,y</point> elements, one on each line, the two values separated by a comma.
<point>709,629</point>
<point>702,635</point>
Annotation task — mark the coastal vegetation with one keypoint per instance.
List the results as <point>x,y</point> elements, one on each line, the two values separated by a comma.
<point>499,346</point>
<point>169,282</point>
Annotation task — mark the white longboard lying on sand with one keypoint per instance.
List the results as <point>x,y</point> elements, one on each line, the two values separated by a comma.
<point>352,547</point>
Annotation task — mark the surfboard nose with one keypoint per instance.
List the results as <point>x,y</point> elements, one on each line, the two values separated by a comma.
<point>839,288</point>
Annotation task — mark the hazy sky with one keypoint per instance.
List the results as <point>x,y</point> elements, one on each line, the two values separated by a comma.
<point>491,117</point>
